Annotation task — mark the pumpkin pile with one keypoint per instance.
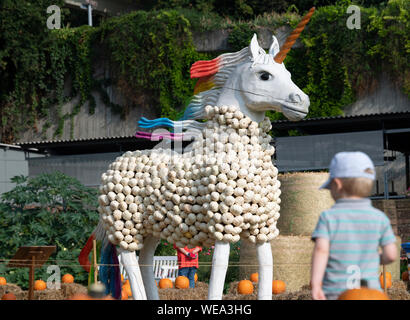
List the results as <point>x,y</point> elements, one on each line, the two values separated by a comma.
<point>8,296</point>
<point>245,287</point>
<point>182,282</point>
<point>96,291</point>
<point>165,283</point>
<point>40,285</point>
<point>3,281</point>
<point>278,286</point>
<point>67,278</point>
<point>254,277</point>
<point>126,290</point>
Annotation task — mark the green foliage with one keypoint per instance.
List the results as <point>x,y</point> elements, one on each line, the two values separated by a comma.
<point>336,64</point>
<point>50,209</point>
<point>151,53</point>
<point>165,249</point>
<point>240,36</point>
<point>34,63</point>
<point>156,60</point>
<point>205,265</point>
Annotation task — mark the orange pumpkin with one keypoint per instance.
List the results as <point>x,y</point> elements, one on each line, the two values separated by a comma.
<point>165,283</point>
<point>405,276</point>
<point>3,281</point>
<point>8,296</point>
<point>278,286</point>
<point>40,285</point>
<point>245,287</point>
<point>182,282</point>
<point>388,280</point>
<point>254,277</point>
<point>67,278</point>
<point>127,289</point>
<point>363,294</point>
<point>124,295</point>
<point>196,277</point>
<point>81,296</point>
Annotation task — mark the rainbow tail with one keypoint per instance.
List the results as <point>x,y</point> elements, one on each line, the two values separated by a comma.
<point>85,252</point>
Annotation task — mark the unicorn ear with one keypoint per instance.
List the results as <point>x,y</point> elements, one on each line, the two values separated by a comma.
<point>254,47</point>
<point>274,48</point>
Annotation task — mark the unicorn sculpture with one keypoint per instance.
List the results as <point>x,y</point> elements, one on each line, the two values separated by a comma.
<point>223,189</point>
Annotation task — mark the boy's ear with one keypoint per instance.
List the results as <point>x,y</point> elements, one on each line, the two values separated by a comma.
<point>338,183</point>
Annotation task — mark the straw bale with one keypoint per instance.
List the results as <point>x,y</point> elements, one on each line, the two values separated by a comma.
<point>291,260</point>
<point>70,289</point>
<point>11,288</point>
<point>302,202</point>
<point>394,267</point>
<point>200,292</point>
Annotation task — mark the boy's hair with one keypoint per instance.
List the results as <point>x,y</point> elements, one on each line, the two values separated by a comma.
<point>359,187</point>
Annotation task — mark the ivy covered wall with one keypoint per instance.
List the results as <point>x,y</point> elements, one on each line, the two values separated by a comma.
<point>150,53</point>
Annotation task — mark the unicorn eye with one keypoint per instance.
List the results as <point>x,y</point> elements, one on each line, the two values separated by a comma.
<point>265,76</point>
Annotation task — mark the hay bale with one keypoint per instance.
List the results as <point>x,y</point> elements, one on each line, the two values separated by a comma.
<point>11,288</point>
<point>394,267</point>
<point>291,260</point>
<point>70,289</point>
<point>48,294</point>
<point>248,261</point>
<point>398,291</point>
<point>200,292</point>
<point>302,202</point>
<point>292,257</point>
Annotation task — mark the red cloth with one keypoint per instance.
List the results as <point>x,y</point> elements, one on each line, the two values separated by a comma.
<point>184,261</point>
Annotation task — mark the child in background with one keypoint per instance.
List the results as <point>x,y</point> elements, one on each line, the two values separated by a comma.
<point>351,231</point>
<point>188,263</point>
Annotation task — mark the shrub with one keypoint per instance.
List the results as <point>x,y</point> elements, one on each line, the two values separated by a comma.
<point>50,209</point>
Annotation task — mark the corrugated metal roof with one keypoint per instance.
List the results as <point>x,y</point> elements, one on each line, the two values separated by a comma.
<point>73,140</point>
<point>370,115</point>
<point>308,120</point>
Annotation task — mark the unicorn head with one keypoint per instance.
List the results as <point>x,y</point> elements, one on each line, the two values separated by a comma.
<point>251,80</point>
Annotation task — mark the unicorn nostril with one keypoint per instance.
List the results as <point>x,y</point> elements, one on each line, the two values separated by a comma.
<point>294,97</point>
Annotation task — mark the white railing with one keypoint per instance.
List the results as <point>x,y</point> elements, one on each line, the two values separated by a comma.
<point>164,267</point>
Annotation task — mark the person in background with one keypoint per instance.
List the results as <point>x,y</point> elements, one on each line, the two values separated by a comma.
<point>188,263</point>
<point>348,235</point>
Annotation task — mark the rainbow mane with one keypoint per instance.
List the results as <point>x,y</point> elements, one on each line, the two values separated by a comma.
<point>211,76</point>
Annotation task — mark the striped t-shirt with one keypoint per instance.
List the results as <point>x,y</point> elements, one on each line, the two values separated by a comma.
<point>355,230</point>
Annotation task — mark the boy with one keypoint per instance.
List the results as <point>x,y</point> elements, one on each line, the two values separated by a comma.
<point>188,263</point>
<point>347,237</point>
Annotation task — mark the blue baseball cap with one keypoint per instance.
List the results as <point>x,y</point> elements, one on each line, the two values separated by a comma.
<point>350,165</point>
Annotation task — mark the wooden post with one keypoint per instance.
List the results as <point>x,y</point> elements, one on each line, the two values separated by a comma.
<point>384,279</point>
<point>31,278</point>
<point>95,260</point>
<point>31,257</point>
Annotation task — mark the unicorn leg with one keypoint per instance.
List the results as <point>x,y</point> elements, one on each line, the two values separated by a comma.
<point>130,263</point>
<point>220,261</point>
<point>146,259</point>
<point>265,260</point>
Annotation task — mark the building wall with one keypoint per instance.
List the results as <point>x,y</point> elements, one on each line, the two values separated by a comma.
<point>12,163</point>
<point>87,168</point>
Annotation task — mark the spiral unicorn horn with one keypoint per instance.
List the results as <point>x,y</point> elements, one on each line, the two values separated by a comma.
<point>281,55</point>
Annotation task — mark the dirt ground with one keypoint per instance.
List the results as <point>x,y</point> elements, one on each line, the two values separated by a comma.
<point>396,292</point>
